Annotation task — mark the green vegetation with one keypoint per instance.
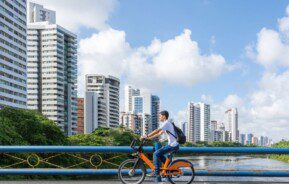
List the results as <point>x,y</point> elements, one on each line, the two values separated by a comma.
<point>281,157</point>
<point>27,127</point>
<point>104,137</point>
<point>214,144</point>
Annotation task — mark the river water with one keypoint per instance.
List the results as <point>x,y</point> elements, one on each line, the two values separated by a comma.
<point>238,163</point>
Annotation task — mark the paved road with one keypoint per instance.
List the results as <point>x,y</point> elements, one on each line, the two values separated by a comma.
<point>115,182</point>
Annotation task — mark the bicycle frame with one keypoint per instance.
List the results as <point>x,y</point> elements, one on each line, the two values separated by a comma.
<point>174,168</point>
<point>163,169</point>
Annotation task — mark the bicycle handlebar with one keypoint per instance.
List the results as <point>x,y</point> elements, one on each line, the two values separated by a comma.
<point>132,145</point>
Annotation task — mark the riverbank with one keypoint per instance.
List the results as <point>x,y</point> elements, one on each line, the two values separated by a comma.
<point>282,157</point>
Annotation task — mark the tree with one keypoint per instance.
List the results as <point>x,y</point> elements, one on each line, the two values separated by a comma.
<point>28,127</point>
<point>104,137</point>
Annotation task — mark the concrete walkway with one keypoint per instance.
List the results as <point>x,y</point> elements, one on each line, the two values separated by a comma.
<point>116,181</point>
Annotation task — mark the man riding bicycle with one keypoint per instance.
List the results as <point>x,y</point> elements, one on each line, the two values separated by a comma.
<point>159,155</point>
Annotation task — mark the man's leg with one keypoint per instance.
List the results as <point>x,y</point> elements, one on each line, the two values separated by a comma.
<point>159,157</point>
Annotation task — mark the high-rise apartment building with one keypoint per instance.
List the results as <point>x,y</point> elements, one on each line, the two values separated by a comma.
<point>205,119</point>
<point>155,110</point>
<point>132,121</point>
<point>139,123</point>
<point>184,128</point>
<point>198,122</point>
<point>80,115</point>
<point>214,125</point>
<point>213,135</point>
<point>90,112</point>
<point>37,13</point>
<point>255,140</point>
<point>266,141</point>
<point>107,89</point>
<point>95,112</point>
<point>52,71</point>
<point>249,138</point>
<point>261,140</point>
<point>242,139</point>
<point>146,124</point>
<point>232,123</point>
<point>13,54</point>
<point>147,103</point>
<point>129,92</point>
<point>193,130</point>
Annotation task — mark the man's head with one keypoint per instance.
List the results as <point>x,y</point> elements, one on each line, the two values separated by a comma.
<point>164,115</point>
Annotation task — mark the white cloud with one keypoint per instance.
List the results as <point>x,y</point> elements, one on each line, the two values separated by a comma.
<point>272,47</point>
<point>253,117</point>
<point>271,102</point>
<point>207,99</point>
<point>284,23</point>
<point>103,53</point>
<point>72,14</point>
<point>268,104</point>
<point>177,61</point>
<point>250,51</point>
<point>181,62</point>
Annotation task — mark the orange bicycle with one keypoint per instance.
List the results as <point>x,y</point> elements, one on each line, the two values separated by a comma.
<point>133,171</point>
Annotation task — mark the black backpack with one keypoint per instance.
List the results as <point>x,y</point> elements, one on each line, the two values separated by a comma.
<point>180,136</point>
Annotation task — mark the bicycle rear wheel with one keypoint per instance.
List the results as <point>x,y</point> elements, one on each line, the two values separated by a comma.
<point>183,172</point>
<point>130,175</point>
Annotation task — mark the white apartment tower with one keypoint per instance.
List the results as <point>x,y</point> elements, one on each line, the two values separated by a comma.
<point>13,62</point>
<point>198,122</point>
<point>129,92</point>
<point>52,71</point>
<point>232,122</point>
<point>95,113</point>
<point>193,130</point>
<point>37,13</point>
<point>205,120</point>
<point>147,103</point>
<point>108,91</point>
<point>90,107</point>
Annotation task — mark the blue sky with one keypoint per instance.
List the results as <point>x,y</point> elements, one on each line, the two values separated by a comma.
<point>234,24</point>
<point>125,30</point>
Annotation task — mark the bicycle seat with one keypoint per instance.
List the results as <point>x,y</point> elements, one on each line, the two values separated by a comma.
<point>170,155</point>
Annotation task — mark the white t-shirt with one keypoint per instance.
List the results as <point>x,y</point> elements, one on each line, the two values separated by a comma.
<point>167,125</point>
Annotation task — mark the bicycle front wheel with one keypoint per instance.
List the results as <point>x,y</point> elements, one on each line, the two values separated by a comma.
<point>128,173</point>
<point>183,172</point>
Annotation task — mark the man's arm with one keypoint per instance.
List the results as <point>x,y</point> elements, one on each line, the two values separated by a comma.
<point>159,132</point>
<point>153,134</point>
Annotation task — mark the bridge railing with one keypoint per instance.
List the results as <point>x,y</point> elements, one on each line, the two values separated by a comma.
<point>104,160</point>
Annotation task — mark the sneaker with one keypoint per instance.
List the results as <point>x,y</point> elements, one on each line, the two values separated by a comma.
<point>152,174</point>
